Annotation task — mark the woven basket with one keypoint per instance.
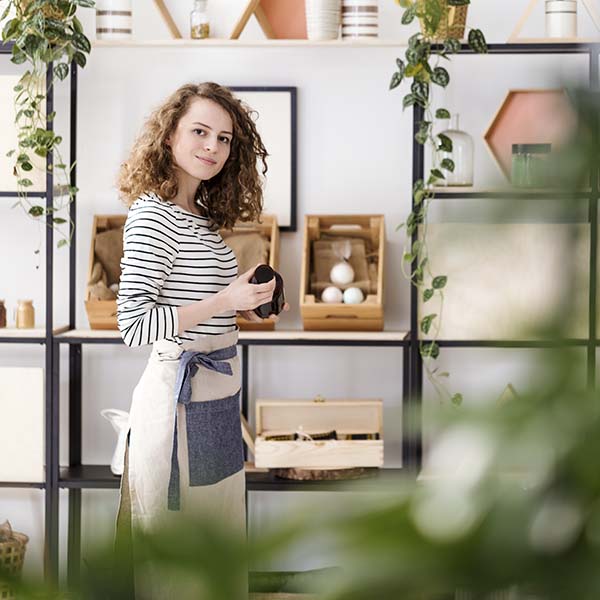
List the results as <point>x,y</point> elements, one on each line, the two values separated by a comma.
<point>452,27</point>
<point>12,557</point>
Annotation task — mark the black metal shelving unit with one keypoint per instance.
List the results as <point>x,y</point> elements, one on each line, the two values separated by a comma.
<point>591,196</point>
<point>76,476</point>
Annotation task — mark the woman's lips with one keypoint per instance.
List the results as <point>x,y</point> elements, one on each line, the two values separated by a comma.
<point>206,161</point>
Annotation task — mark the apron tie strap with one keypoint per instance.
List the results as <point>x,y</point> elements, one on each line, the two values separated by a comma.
<point>189,362</point>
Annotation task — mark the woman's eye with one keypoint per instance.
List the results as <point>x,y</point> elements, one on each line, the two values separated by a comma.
<point>226,140</point>
<point>198,131</point>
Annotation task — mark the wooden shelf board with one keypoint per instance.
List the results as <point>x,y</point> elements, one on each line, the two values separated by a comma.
<point>508,192</point>
<point>554,41</point>
<point>215,42</point>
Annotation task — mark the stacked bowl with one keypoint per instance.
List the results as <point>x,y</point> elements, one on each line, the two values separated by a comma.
<point>322,19</point>
<point>360,19</point>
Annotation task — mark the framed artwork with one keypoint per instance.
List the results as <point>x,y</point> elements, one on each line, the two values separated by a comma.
<point>277,125</point>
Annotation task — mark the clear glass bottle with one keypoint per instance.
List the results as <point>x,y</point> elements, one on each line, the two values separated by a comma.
<point>199,24</point>
<point>462,155</point>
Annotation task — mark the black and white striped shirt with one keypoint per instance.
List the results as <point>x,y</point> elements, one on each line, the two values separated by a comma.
<point>171,257</point>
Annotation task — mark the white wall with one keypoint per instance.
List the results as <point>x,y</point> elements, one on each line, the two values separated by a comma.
<point>354,155</point>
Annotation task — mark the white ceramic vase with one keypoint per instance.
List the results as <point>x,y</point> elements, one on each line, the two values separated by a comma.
<point>119,419</point>
<point>113,20</point>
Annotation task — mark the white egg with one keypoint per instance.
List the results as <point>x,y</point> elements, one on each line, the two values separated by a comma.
<point>342,273</point>
<point>332,295</point>
<point>353,295</point>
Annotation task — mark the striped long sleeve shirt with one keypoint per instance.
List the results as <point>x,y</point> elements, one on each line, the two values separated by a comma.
<point>171,257</point>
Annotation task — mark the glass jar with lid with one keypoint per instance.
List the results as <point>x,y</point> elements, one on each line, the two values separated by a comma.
<point>529,164</point>
<point>461,155</point>
<point>199,23</point>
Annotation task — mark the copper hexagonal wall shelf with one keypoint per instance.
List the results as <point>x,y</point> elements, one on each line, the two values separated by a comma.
<point>529,117</point>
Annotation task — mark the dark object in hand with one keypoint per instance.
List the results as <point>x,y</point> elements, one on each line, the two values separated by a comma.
<point>264,274</point>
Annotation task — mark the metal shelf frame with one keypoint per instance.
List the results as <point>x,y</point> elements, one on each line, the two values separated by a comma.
<point>77,477</point>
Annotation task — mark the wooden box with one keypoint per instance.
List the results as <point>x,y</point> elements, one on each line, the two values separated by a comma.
<point>366,316</point>
<point>269,229</point>
<point>102,314</point>
<point>313,417</point>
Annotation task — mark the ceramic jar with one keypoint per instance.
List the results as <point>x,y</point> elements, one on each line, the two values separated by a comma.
<point>113,19</point>
<point>2,314</point>
<point>561,18</point>
<point>25,314</point>
<point>462,155</point>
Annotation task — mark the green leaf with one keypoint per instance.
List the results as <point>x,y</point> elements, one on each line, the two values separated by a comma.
<point>10,153</point>
<point>81,42</point>
<point>427,294</point>
<point>61,243</point>
<point>477,41</point>
<point>440,76</point>
<point>458,2</point>
<point>448,164</point>
<point>396,80</point>
<point>59,220</point>
<point>26,166</point>
<point>5,12</point>
<point>442,113</point>
<point>437,174</point>
<point>439,282</point>
<point>457,399</point>
<point>36,211</point>
<point>408,100</point>
<point>61,70</point>
<point>409,15</point>
<point>451,45</point>
<point>85,3</point>
<point>25,182</point>
<point>407,257</point>
<point>416,247</point>
<point>445,143</point>
<point>426,322</point>
<point>80,59</point>
<point>10,29</point>
<point>430,350</point>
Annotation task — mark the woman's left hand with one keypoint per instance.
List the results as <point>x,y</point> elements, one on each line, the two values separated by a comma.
<point>250,315</point>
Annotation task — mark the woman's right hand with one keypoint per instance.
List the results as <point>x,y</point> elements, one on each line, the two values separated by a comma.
<point>243,295</point>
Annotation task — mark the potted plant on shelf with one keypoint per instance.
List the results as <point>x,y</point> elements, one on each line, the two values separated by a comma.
<point>42,32</point>
<point>421,65</point>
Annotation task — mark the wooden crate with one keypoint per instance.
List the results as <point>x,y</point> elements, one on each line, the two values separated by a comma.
<point>317,315</point>
<point>270,229</point>
<point>102,314</point>
<point>283,417</point>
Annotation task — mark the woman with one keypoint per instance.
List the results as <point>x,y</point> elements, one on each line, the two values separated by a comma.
<point>192,171</point>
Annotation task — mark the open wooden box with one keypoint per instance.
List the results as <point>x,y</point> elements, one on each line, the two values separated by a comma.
<point>102,314</point>
<point>269,229</point>
<point>366,316</point>
<point>313,417</point>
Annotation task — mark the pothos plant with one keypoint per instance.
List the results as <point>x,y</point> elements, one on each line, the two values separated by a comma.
<point>422,65</point>
<point>43,32</point>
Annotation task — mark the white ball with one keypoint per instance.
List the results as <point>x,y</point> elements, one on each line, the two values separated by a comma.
<point>353,295</point>
<point>342,273</point>
<point>332,295</point>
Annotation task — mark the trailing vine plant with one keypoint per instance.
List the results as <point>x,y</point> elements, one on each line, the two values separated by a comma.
<point>43,32</point>
<point>422,66</point>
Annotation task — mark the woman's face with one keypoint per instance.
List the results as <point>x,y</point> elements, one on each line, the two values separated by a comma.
<point>202,139</point>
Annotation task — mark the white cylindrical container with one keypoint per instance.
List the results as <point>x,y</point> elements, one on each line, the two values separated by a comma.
<point>322,19</point>
<point>461,155</point>
<point>561,18</point>
<point>113,20</point>
<point>360,19</point>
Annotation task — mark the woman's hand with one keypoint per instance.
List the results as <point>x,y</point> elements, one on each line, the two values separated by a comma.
<point>250,315</point>
<point>241,295</point>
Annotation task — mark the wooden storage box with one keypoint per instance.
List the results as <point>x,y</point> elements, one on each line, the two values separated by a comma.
<point>102,314</point>
<point>346,417</point>
<point>270,230</point>
<point>366,316</point>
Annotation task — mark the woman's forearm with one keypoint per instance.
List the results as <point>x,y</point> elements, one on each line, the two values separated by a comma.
<point>201,310</point>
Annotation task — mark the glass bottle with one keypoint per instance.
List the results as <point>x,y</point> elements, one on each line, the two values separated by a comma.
<point>24,314</point>
<point>462,155</point>
<point>199,24</point>
<point>2,314</point>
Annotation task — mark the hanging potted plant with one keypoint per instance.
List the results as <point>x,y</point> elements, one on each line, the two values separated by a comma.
<point>442,26</point>
<point>43,32</point>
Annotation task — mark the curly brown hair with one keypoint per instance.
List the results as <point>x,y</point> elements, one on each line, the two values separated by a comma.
<point>235,193</point>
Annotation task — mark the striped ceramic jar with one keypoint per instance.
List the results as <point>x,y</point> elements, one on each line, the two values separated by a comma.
<point>113,19</point>
<point>360,19</point>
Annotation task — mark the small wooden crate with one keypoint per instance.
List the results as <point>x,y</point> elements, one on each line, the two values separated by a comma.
<point>270,229</point>
<point>102,314</point>
<point>317,315</point>
<point>284,417</point>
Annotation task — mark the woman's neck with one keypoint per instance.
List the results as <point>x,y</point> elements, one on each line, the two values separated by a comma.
<point>187,190</point>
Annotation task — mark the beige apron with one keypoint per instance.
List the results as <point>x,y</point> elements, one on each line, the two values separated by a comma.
<point>185,453</point>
